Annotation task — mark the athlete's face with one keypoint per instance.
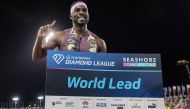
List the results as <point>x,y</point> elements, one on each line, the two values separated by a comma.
<point>80,15</point>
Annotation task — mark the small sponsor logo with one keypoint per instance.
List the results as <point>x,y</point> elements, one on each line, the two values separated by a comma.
<point>153,105</point>
<point>118,105</point>
<point>85,104</point>
<point>58,58</point>
<point>139,62</point>
<point>101,104</point>
<point>135,105</point>
<point>56,102</point>
<point>69,104</point>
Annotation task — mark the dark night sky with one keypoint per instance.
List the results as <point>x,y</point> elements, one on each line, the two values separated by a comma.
<point>136,26</point>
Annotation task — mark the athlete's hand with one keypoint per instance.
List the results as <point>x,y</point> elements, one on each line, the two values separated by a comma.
<point>44,30</point>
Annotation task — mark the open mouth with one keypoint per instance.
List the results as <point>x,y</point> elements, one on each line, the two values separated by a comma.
<point>81,20</point>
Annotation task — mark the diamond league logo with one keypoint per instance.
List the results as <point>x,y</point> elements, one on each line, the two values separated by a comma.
<point>58,58</point>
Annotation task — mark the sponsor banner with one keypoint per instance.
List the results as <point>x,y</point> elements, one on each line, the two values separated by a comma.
<point>104,61</point>
<point>108,75</point>
<point>75,102</point>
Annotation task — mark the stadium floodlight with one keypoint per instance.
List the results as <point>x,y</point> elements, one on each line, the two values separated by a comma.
<point>15,98</point>
<point>182,62</point>
<point>40,98</point>
<point>186,64</point>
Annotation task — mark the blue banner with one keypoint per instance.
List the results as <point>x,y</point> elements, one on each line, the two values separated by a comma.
<point>103,74</point>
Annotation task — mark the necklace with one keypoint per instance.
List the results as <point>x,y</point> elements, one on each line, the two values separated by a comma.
<point>73,40</point>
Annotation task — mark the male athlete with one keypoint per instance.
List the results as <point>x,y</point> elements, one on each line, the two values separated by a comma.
<point>77,38</point>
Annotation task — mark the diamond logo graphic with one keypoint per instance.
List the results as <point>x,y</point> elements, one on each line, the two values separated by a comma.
<point>58,58</point>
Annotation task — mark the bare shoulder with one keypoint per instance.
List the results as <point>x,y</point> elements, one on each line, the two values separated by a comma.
<point>59,36</point>
<point>96,37</point>
<point>100,43</point>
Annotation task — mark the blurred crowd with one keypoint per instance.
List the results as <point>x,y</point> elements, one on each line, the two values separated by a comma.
<point>177,97</point>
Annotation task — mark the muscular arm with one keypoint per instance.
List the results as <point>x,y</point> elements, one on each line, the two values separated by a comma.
<point>100,43</point>
<point>38,53</point>
<point>103,47</point>
<point>40,47</point>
